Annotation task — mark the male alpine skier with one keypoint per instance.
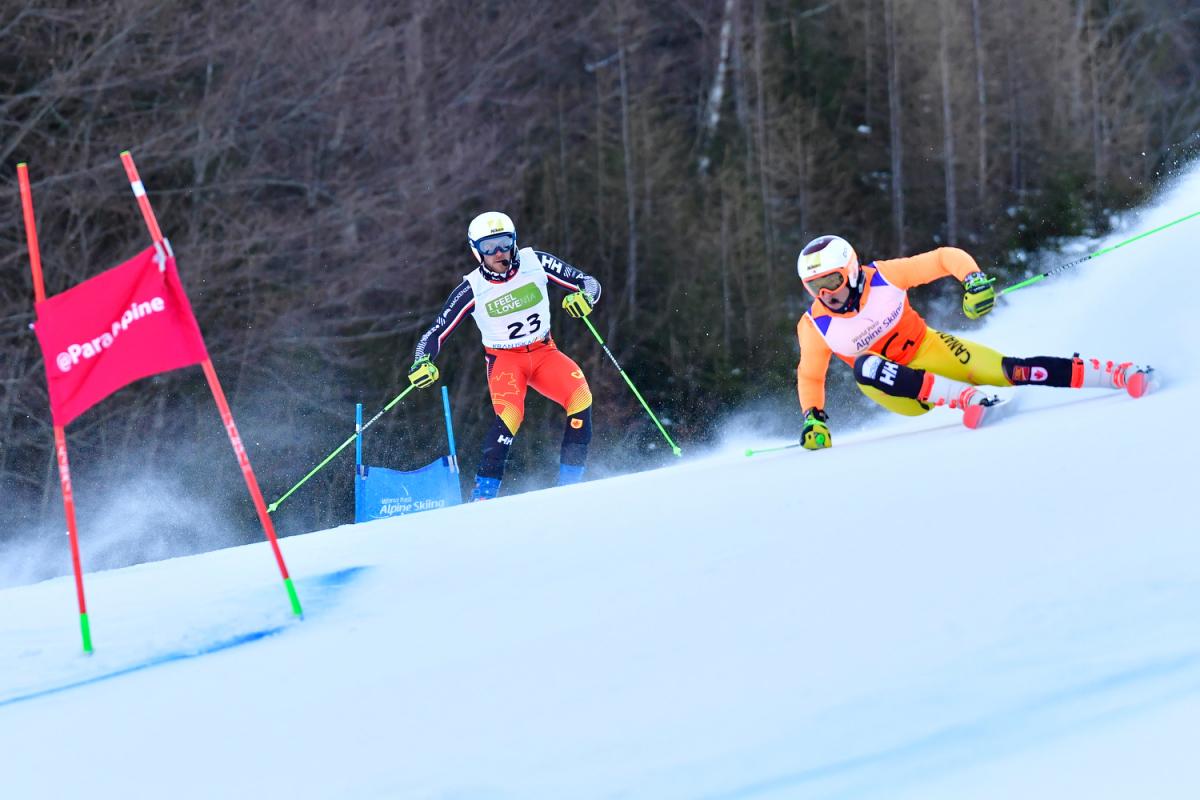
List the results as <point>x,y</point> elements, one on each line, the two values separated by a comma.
<point>507,297</point>
<point>861,314</point>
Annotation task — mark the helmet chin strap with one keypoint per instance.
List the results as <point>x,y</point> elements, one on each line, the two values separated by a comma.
<point>852,298</point>
<point>511,265</point>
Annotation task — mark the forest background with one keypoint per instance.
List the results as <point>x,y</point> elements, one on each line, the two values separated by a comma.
<point>315,166</point>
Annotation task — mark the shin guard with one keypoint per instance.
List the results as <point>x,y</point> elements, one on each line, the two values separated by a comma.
<point>495,450</point>
<point>1039,371</point>
<point>576,437</point>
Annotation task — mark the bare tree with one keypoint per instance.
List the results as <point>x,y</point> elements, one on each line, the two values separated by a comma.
<point>948,135</point>
<point>895,123</point>
<point>981,117</point>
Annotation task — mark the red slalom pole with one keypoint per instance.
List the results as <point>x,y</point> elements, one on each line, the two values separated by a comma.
<point>239,449</point>
<point>60,435</point>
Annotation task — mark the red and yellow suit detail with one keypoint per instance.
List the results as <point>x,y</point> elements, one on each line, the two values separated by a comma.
<point>540,365</point>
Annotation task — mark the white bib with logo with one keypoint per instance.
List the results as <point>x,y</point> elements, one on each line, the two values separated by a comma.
<point>514,313</point>
<point>854,334</point>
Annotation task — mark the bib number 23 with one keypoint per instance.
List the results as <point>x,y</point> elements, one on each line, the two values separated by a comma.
<point>517,329</point>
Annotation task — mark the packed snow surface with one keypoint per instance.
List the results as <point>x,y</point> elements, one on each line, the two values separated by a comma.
<point>921,611</point>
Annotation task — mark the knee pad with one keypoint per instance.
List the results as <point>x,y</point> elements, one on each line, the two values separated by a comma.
<point>888,376</point>
<point>495,450</point>
<point>576,437</point>
<point>1038,371</point>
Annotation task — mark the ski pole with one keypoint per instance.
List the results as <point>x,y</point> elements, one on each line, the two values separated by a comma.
<point>674,448</point>
<point>753,452</point>
<point>1089,256</point>
<point>271,508</point>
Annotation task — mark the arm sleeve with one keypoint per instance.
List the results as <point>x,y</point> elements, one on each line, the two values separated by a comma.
<point>927,267</point>
<point>814,363</point>
<point>460,303</point>
<point>568,277</point>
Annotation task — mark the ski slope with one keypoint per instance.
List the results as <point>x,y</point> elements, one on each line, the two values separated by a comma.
<point>921,611</point>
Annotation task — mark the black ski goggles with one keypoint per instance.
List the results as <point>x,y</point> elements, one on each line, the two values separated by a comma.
<point>497,243</point>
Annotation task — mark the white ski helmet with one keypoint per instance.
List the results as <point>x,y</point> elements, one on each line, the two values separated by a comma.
<point>828,263</point>
<point>497,229</point>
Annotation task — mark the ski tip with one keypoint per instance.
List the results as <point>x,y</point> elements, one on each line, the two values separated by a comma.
<point>973,416</point>
<point>1138,384</point>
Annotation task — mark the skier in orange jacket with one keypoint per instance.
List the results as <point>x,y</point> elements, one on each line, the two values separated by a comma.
<point>861,314</point>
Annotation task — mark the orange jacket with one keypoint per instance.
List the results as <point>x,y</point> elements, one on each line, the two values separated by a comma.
<point>900,342</point>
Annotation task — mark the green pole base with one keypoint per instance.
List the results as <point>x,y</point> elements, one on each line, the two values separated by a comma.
<point>291,590</point>
<point>86,629</point>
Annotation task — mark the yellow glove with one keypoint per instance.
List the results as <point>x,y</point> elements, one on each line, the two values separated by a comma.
<point>577,304</point>
<point>816,433</point>
<point>422,373</point>
<point>978,295</point>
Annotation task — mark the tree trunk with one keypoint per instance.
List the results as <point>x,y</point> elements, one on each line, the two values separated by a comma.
<point>564,195</point>
<point>761,125</point>
<point>1097,110</point>
<point>869,62</point>
<point>726,301</point>
<point>1014,107</point>
<point>948,151</point>
<point>981,120</point>
<point>894,123</point>
<point>630,197</point>
<point>716,94</point>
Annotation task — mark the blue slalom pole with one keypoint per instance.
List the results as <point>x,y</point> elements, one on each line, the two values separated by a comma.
<point>449,429</point>
<point>358,470</point>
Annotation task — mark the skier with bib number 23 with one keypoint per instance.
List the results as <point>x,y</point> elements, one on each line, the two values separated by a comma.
<point>507,297</point>
<point>861,314</point>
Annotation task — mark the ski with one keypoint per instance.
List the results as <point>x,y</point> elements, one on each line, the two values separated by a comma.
<point>990,409</point>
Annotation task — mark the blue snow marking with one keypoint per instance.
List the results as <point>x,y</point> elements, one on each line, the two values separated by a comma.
<point>336,579</point>
<point>166,658</point>
<point>314,586</point>
<point>1053,715</point>
<point>317,592</point>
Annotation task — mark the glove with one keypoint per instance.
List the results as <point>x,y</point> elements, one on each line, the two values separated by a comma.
<point>816,432</point>
<point>422,373</point>
<point>978,295</point>
<point>577,304</point>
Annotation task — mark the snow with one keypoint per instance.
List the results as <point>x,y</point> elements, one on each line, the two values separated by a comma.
<point>921,611</point>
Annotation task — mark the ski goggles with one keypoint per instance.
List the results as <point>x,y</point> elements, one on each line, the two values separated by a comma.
<point>498,243</point>
<point>828,283</point>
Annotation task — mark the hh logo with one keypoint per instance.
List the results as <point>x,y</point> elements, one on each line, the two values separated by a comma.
<point>577,375</point>
<point>889,373</point>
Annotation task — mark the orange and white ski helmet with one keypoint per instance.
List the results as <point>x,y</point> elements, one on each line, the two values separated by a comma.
<point>827,263</point>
